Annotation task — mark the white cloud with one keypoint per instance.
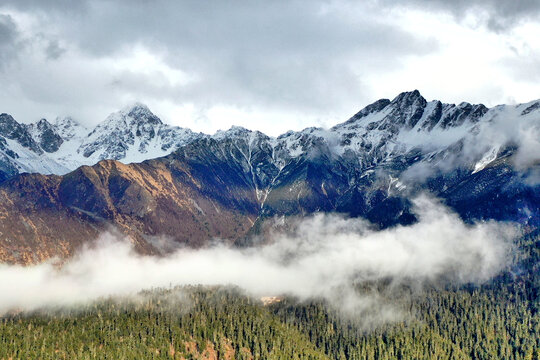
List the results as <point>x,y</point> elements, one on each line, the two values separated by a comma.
<point>323,256</point>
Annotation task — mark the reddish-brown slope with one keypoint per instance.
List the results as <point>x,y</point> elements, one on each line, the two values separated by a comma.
<point>46,216</point>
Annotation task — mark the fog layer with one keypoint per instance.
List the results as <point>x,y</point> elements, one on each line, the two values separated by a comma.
<point>319,256</point>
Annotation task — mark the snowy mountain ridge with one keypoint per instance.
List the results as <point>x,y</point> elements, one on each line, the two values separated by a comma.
<point>382,131</point>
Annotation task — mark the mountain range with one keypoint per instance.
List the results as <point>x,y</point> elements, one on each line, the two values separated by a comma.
<point>62,184</point>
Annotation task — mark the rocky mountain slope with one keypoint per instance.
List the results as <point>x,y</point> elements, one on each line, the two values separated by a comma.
<point>480,161</point>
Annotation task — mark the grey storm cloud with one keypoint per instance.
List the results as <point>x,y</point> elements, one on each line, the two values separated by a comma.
<point>54,50</point>
<point>498,15</point>
<point>8,39</point>
<point>319,60</point>
<point>290,54</point>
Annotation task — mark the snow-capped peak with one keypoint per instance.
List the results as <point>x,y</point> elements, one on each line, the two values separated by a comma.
<point>233,131</point>
<point>407,98</point>
<point>45,134</point>
<point>43,124</point>
<point>380,132</point>
<point>135,106</point>
<point>141,113</point>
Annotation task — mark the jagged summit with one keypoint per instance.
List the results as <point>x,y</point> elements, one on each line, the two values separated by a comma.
<point>141,113</point>
<point>136,114</point>
<point>43,124</point>
<point>411,111</point>
<point>12,130</point>
<point>404,108</point>
<point>46,135</point>
<point>408,98</point>
<point>234,130</point>
<point>133,126</point>
<point>136,105</point>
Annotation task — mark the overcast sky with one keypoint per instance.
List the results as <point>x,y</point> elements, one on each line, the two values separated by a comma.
<point>266,65</point>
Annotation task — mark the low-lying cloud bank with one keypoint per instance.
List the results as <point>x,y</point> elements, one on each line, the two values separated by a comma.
<point>322,255</point>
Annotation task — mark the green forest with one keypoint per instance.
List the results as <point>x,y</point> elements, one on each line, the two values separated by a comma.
<point>498,320</point>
